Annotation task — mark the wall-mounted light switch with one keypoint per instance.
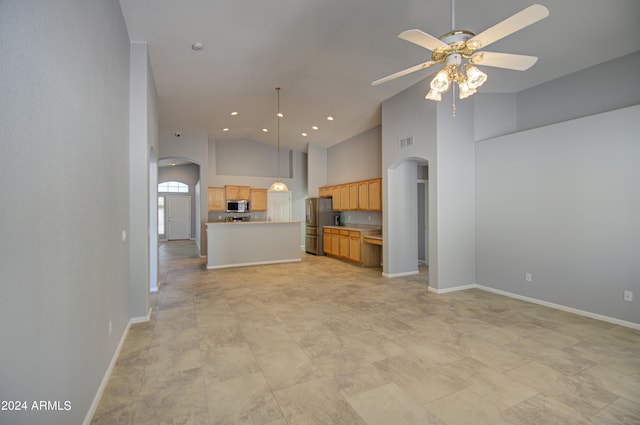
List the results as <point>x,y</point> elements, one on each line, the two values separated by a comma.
<point>628,295</point>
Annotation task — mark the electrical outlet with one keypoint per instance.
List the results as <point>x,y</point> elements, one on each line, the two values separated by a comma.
<point>628,295</point>
<point>110,327</point>
<point>528,277</point>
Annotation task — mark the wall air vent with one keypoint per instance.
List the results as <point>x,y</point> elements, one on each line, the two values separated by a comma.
<point>404,143</point>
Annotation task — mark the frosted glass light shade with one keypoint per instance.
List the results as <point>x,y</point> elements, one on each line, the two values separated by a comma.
<point>475,77</point>
<point>279,187</point>
<point>465,90</point>
<point>434,95</point>
<point>440,81</point>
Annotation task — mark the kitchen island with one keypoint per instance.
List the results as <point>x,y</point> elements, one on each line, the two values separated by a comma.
<point>249,243</point>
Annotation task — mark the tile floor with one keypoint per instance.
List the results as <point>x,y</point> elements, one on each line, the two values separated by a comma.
<point>324,342</point>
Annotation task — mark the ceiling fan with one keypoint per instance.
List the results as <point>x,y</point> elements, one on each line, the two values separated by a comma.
<point>456,46</point>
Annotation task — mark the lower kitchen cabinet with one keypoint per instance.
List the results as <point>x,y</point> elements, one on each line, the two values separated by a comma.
<point>344,244</point>
<point>354,246</point>
<point>348,244</point>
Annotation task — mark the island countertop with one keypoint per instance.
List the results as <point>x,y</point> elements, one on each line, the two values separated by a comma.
<point>252,222</point>
<point>247,243</point>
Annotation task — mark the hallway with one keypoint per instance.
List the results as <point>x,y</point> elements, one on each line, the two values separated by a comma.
<point>324,342</point>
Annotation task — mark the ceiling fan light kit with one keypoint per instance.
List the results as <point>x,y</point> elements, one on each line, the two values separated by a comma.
<point>458,46</point>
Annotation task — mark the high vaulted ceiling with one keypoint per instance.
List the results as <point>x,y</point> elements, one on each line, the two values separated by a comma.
<point>325,54</point>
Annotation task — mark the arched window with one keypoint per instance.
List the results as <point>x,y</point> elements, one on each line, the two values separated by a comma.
<point>173,186</point>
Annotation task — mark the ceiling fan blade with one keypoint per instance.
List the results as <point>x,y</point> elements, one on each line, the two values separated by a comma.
<point>403,72</point>
<point>522,19</point>
<point>503,60</point>
<point>423,39</point>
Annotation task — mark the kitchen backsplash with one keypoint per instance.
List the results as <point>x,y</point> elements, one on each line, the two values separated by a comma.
<point>372,218</point>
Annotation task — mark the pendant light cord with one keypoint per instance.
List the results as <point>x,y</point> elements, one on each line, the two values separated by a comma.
<point>278,115</point>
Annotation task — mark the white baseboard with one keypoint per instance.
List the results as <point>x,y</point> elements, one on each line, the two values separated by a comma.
<point>255,263</point>
<point>105,379</point>
<point>539,302</point>
<point>562,307</point>
<point>400,274</point>
<point>454,289</point>
<point>141,319</point>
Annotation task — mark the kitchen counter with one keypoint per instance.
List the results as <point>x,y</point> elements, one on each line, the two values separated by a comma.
<point>247,243</point>
<point>358,227</point>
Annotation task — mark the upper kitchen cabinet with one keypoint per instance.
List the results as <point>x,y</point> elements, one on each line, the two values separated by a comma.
<point>353,196</point>
<point>375,195</point>
<point>344,197</point>
<point>365,195</point>
<point>217,200</point>
<point>335,195</point>
<point>258,199</point>
<point>237,192</point>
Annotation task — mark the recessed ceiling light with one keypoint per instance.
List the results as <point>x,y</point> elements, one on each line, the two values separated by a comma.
<point>225,129</point>
<point>197,46</point>
<point>330,118</point>
<point>234,113</point>
<point>173,164</point>
<point>280,114</point>
<point>304,134</point>
<point>265,130</point>
<point>315,127</point>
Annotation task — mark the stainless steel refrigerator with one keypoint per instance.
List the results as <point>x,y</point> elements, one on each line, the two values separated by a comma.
<point>318,215</point>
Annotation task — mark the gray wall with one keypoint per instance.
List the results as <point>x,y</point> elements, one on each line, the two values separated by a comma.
<point>251,158</point>
<point>561,202</point>
<point>357,158</point>
<point>143,142</point>
<point>613,84</point>
<point>316,168</point>
<point>64,104</point>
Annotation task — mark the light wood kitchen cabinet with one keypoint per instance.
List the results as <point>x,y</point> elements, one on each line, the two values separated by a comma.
<point>353,196</point>
<point>258,199</point>
<point>344,197</point>
<point>375,195</point>
<point>216,199</point>
<point>344,244</point>
<point>349,244</point>
<point>237,192</point>
<point>335,195</point>
<point>363,195</point>
<point>327,241</point>
<point>354,246</point>
<point>335,242</point>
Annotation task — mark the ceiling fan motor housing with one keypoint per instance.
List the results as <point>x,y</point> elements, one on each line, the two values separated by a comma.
<point>457,41</point>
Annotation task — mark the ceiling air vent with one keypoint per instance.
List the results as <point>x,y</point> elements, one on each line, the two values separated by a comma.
<point>403,143</point>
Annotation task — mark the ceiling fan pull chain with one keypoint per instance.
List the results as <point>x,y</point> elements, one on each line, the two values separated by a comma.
<point>453,104</point>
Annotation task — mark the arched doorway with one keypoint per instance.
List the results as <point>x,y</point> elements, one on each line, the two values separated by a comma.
<point>407,220</point>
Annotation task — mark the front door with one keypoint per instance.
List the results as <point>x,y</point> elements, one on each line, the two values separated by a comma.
<point>178,217</point>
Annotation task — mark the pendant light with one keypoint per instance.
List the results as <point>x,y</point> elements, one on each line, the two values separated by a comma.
<point>279,186</point>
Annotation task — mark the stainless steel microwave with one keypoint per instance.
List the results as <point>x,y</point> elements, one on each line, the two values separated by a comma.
<point>238,205</point>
